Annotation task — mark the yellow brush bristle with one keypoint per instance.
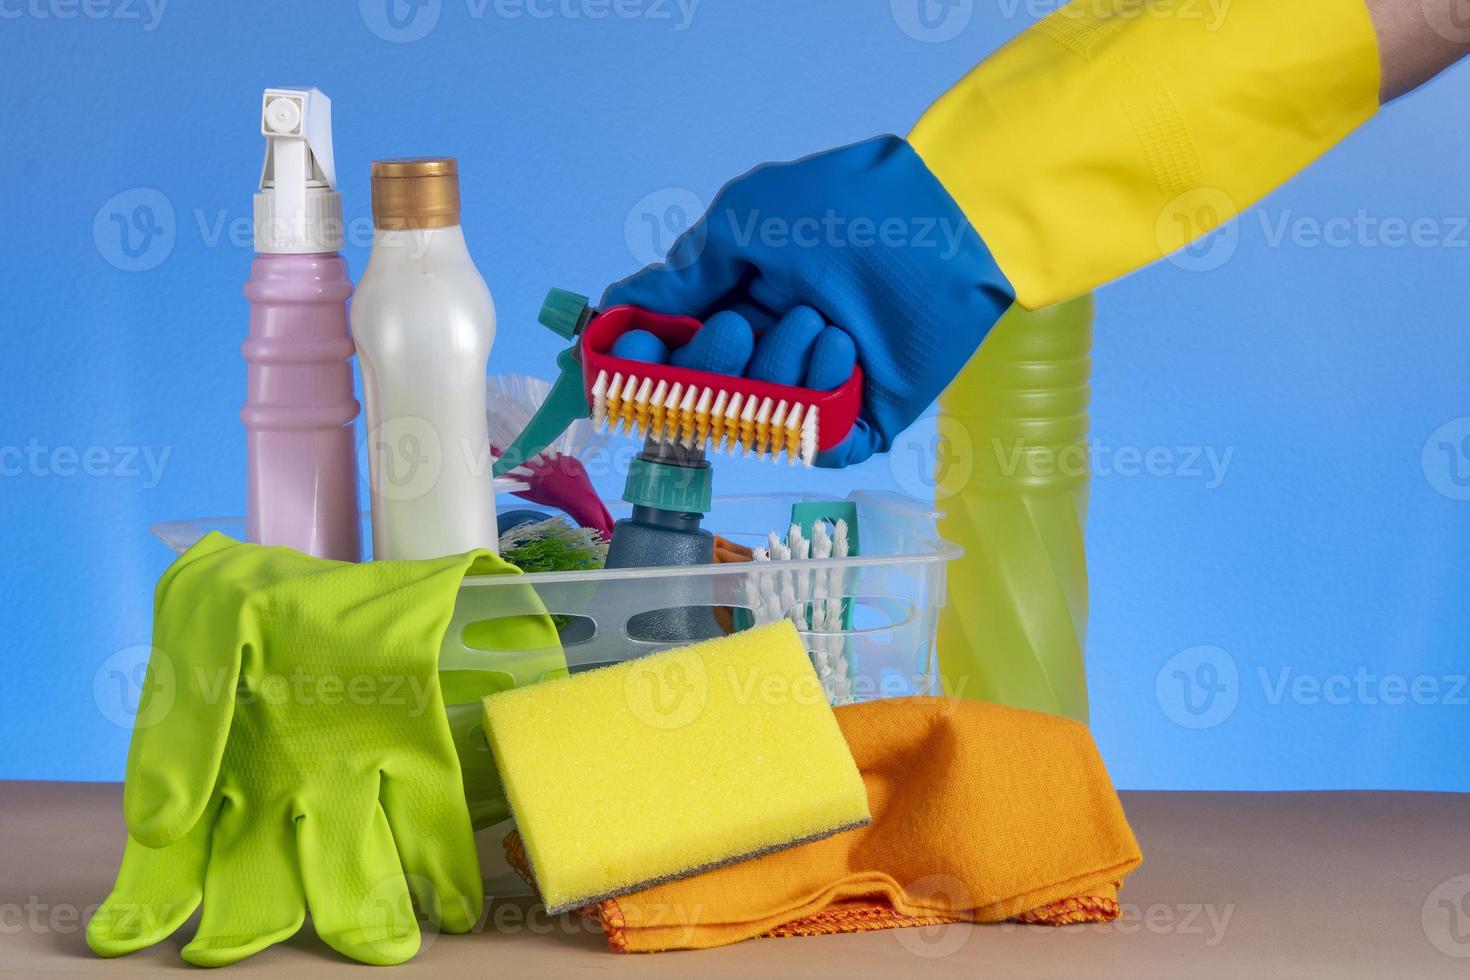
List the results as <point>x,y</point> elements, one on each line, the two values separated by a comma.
<point>687,419</point>
<point>746,426</point>
<point>697,417</point>
<point>792,433</point>
<point>635,415</point>
<point>655,423</point>
<point>777,433</point>
<point>617,401</point>
<point>671,412</point>
<point>701,419</point>
<point>725,406</point>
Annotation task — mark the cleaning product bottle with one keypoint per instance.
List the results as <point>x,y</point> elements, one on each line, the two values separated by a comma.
<point>424,323</point>
<point>301,488</point>
<point>668,484</point>
<point>1013,483</point>
<point>669,488</point>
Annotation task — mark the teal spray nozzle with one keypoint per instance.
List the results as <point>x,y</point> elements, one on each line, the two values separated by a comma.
<point>668,485</point>
<point>566,314</point>
<point>663,477</point>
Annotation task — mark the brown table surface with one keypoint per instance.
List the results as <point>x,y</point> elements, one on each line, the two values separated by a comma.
<point>1233,884</point>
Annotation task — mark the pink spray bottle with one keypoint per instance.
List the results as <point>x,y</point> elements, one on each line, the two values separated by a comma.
<point>300,408</point>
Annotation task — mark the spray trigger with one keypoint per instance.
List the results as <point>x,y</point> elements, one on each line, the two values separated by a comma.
<point>565,314</point>
<point>298,209</point>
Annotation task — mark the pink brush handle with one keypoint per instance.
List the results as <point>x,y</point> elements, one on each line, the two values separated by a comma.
<point>562,482</point>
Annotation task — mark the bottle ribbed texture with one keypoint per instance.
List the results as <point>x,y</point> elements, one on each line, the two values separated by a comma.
<point>1013,478</point>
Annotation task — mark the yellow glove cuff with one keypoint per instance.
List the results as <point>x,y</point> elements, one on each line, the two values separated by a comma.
<point>1114,132</point>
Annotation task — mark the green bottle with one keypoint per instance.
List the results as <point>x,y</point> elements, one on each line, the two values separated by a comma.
<point>1012,475</point>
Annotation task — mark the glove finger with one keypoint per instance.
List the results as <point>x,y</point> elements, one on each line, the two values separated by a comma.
<point>355,888</point>
<point>702,268</point>
<point>757,314</point>
<point>784,351</point>
<point>252,889</point>
<point>862,442</point>
<point>834,356</point>
<point>436,845</point>
<point>640,345</point>
<point>157,889</point>
<point>722,346</point>
<point>184,723</point>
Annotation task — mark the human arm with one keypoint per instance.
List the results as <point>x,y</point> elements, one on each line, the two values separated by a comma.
<point>1417,39</point>
<point>1100,139</point>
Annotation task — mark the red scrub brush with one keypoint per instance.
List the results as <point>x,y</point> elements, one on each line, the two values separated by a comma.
<point>695,410</point>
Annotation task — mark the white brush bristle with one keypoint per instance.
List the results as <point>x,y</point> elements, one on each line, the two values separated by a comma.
<point>814,600</point>
<point>512,400</point>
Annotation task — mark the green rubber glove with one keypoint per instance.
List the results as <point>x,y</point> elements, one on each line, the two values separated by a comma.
<point>298,757</point>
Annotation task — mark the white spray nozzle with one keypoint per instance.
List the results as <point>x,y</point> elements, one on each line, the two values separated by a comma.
<point>298,208</point>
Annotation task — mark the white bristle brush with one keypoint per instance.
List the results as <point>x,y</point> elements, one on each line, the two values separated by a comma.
<point>511,400</point>
<point>813,599</point>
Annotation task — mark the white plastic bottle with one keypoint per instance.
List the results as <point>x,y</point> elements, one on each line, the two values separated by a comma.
<point>424,322</point>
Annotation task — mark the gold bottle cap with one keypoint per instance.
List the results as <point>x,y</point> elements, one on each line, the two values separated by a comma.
<point>419,192</point>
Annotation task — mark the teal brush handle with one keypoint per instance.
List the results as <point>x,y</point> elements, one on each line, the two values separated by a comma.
<point>565,404</point>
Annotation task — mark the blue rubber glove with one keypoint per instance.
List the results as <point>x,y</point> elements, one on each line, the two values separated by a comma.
<point>722,346</point>
<point>867,238</point>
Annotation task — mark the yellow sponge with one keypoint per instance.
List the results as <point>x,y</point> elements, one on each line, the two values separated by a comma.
<point>672,764</point>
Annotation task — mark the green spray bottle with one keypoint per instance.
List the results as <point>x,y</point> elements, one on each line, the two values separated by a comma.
<point>1013,477</point>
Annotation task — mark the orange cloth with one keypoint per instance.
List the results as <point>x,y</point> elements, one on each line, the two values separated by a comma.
<point>981,813</point>
<point>728,552</point>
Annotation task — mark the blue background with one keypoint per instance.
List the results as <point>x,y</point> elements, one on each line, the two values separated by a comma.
<point>1335,546</point>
